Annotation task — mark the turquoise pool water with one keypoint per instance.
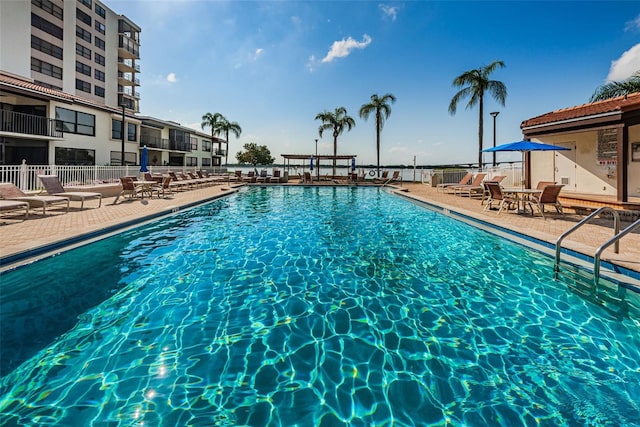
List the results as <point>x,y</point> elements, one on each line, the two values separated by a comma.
<point>309,306</point>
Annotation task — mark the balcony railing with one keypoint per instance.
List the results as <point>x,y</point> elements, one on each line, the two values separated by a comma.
<point>28,124</point>
<point>154,142</point>
<point>179,145</point>
<point>219,152</point>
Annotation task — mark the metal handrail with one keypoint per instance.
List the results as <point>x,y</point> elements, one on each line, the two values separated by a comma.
<point>616,231</point>
<point>615,239</point>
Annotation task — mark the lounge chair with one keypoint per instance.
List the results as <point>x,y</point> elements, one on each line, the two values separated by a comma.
<point>475,187</point>
<point>9,191</point>
<point>548,196</point>
<point>464,181</point>
<point>162,188</point>
<point>14,205</point>
<point>54,188</point>
<point>496,195</point>
<point>542,184</point>
<point>307,177</point>
<point>264,177</point>
<point>383,178</point>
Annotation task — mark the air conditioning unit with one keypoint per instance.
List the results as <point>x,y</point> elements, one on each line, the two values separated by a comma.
<point>564,180</point>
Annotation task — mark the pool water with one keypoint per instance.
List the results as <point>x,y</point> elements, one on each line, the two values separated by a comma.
<point>310,306</point>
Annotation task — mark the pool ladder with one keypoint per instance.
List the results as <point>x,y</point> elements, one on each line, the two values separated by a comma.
<point>615,240</point>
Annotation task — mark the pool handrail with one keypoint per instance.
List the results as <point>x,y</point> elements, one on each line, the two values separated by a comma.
<point>616,231</point>
<point>615,239</point>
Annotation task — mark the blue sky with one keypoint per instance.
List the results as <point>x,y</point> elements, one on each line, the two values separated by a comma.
<point>273,65</point>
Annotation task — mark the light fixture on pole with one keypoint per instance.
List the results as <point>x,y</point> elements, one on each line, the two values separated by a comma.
<point>317,161</point>
<point>122,146</point>
<point>494,114</point>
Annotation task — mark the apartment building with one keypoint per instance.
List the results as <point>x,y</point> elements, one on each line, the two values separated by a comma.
<point>69,80</point>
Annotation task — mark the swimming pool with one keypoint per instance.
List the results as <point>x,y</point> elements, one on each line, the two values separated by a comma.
<point>310,306</point>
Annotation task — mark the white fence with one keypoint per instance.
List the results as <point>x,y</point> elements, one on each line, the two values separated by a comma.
<point>26,176</point>
<point>512,173</point>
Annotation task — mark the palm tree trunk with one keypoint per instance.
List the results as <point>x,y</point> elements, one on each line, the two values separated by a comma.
<point>378,139</point>
<point>226,152</point>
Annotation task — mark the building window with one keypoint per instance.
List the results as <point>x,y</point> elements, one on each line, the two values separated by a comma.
<point>47,6</point>
<point>83,51</point>
<point>99,43</point>
<point>74,156</point>
<point>47,85</point>
<point>83,68</point>
<point>100,27</point>
<point>132,132</point>
<point>83,86</point>
<point>206,145</point>
<point>86,3</point>
<point>44,46</point>
<point>70,121</point>
<point>100,11</point>
<point>194,143</point>
<point>46,26</point>
<point>99,58</point>
<point>191,161</point>
<point>99,91</point>
<point>206,161</point>
<point>83,17</point>
<point>83,34</point>
<point>99,75</point>
<point>129,158</point>
<point>46,68</point>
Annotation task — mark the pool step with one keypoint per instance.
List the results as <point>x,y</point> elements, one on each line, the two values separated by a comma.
<point>611,294</point>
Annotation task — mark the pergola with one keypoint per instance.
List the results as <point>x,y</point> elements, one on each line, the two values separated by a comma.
<point>316,159</point>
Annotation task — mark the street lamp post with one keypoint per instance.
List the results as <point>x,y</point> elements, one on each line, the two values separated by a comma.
<point>494,115</point>
<point>317,161</point>
<point>122,146</point>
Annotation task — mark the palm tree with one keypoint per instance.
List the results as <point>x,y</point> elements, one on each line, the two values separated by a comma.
<point>225,126</point>
<point>213,121</point>
<point>475,83</point>
<point>383,111</point>
<point>613,89</point>
<point>337,122</point>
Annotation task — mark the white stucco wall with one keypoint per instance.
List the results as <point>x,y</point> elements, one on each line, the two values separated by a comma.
<point>587,175</point>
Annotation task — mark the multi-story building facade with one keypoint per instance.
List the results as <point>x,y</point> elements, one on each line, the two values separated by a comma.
<point>69,80</point>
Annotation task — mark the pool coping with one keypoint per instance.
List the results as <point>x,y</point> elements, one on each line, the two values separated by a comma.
<point>23,258</point>
<point>610,271</point>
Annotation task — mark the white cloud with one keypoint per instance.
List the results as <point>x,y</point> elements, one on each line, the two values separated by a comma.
<point>625,66</point>
<point>295,20</point>
<point>342,48</point>
<point>389,11</point>
<point>633,25</point>
<point>171,78</point>
<point>258,53</point>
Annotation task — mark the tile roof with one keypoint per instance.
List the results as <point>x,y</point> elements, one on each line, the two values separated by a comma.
<point>22,83</point>
<point>619,104</point>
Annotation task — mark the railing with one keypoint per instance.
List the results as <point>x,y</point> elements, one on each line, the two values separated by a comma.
<point>614,240</point>
<point>29,124</point>
<point>26,176</point>
<point>616,232</point>
<point>154,142</point>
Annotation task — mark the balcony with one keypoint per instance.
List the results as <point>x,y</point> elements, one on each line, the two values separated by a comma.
<point>28,124</point>
<point>128,48</point>
<point>219,152</point>
<point>179,145</point>
<point>127,66</point>
<point>154,142</point>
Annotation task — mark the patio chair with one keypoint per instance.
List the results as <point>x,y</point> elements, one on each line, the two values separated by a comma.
<point>9,191</point>
<point>542,184</point>
<point>307,177</point>
<point>264,177</point>
<point>475,186</point>
<point>129,189</point>
<point>485,193</point>
<point>496,195</point>
<point>162,188</point>
<point>250,178</point>
<point>464,181</point>
<point>549,196</point>
<point>54,188</point>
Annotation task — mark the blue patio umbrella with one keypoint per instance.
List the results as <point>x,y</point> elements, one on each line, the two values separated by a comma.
<point>523,147</point>
<point>144,159</point>
<point>353,164</point>
<point>311,163</point>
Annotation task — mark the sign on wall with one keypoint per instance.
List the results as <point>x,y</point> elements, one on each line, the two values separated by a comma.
<point>607,148</point>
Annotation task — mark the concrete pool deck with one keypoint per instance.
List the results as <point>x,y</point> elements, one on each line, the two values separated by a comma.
<point>20,236</point>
